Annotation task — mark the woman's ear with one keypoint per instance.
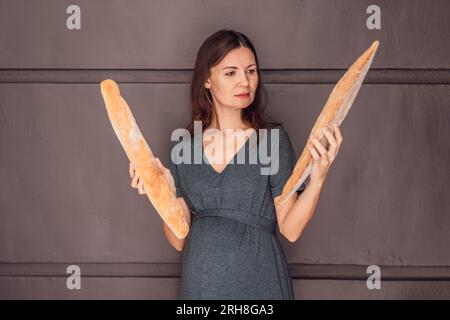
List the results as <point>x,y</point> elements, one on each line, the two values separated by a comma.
<point>207,84</point>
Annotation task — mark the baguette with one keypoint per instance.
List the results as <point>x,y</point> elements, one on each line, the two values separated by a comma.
<point>140,155</point>
<point>334,112</point>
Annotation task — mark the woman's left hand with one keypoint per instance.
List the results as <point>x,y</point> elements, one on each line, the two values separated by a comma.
<point>324,158</point>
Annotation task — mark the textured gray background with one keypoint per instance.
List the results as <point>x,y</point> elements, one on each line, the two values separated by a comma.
<point>65,195</point>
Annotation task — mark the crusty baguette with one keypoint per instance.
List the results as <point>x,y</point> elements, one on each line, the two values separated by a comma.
<point>140,155</point>
<point>334,112</point>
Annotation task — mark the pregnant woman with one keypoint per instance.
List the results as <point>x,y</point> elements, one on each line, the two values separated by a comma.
<point>232,251</point>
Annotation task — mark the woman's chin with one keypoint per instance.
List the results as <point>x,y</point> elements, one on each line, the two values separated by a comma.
<point>243,105</point>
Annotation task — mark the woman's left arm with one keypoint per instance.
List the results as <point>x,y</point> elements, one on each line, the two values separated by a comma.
<point>294,214</point>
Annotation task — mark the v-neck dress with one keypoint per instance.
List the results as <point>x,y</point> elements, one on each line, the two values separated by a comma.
<point>232,250</point>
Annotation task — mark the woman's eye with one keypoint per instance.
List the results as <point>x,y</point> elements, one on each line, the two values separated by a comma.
<point>252,71</point>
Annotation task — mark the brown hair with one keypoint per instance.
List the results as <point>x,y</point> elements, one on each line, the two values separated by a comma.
<point>211,52</point>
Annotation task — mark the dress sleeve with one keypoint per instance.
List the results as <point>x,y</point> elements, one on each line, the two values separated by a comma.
<point>286,163</point>
<point>174,171</point>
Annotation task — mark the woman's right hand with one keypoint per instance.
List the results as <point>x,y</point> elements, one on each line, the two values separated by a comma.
<point>137,183</point>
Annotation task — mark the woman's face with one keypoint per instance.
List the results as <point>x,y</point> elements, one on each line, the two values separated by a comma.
<point>234,75</point>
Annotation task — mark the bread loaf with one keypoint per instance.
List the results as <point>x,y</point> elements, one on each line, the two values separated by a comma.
<point>334,112</point>
<point>140,155</point>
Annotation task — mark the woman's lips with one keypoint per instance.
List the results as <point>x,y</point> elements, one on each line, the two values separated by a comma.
<point>243,95</point>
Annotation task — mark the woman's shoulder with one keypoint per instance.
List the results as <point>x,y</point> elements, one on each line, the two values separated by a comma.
<point>180,138</point>
<point>180,146</point>
<point>278,127</point>
<point>280,131</point>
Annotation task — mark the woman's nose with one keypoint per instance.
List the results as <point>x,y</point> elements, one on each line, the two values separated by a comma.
<point>244,79</point>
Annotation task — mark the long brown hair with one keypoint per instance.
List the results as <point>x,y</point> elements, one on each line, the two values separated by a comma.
<point>210,53</point>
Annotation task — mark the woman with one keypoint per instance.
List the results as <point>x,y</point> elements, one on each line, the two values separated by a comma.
<point>231,251</point>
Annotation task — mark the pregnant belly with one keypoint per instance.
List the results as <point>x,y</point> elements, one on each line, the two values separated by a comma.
<point>220,243</point>
<point>225,255</point>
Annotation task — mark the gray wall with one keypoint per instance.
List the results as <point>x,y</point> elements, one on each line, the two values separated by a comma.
<point>65,195</point>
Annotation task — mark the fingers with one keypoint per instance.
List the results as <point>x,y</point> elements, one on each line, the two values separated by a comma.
<point>330,138</point>
<point>338,134</point>
<point>333,145</point>
<point>314,153</point>
<point>319,146</point>
<point>135,181</point>
<point>141,188</point>
<point>131,169</point>
<point>334,142</point>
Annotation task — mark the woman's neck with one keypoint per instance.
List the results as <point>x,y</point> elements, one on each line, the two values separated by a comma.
<point>227,118</point>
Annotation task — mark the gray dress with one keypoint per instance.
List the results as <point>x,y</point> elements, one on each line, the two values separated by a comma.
<point>232,251</point>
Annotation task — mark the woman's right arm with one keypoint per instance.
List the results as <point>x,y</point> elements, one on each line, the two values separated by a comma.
<point>178,244</point>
